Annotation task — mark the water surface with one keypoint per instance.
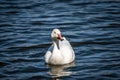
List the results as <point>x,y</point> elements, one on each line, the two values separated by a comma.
<point>91,26</point>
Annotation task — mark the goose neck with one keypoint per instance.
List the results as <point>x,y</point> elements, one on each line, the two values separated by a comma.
<point>56,44</point>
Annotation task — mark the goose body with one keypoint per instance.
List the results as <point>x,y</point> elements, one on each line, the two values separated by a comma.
<point>60,52</point>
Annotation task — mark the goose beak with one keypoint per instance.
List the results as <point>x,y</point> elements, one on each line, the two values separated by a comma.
<point>60,37</point>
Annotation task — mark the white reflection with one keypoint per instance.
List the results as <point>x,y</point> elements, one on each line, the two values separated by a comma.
<point>57,71</point>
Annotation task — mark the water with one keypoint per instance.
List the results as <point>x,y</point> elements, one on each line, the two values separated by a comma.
<point>91,26</point>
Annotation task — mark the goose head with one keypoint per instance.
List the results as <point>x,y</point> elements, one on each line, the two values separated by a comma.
<point>56,35</point>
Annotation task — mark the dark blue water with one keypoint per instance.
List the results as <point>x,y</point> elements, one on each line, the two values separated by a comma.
<point>92,27</point>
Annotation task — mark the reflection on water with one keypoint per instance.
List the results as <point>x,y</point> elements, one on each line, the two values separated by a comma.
<point>57,71</point>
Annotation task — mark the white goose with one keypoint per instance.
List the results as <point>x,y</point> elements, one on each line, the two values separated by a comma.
<point>60,52</point>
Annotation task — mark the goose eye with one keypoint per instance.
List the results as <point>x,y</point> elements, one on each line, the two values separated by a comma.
<point>55,32</point>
